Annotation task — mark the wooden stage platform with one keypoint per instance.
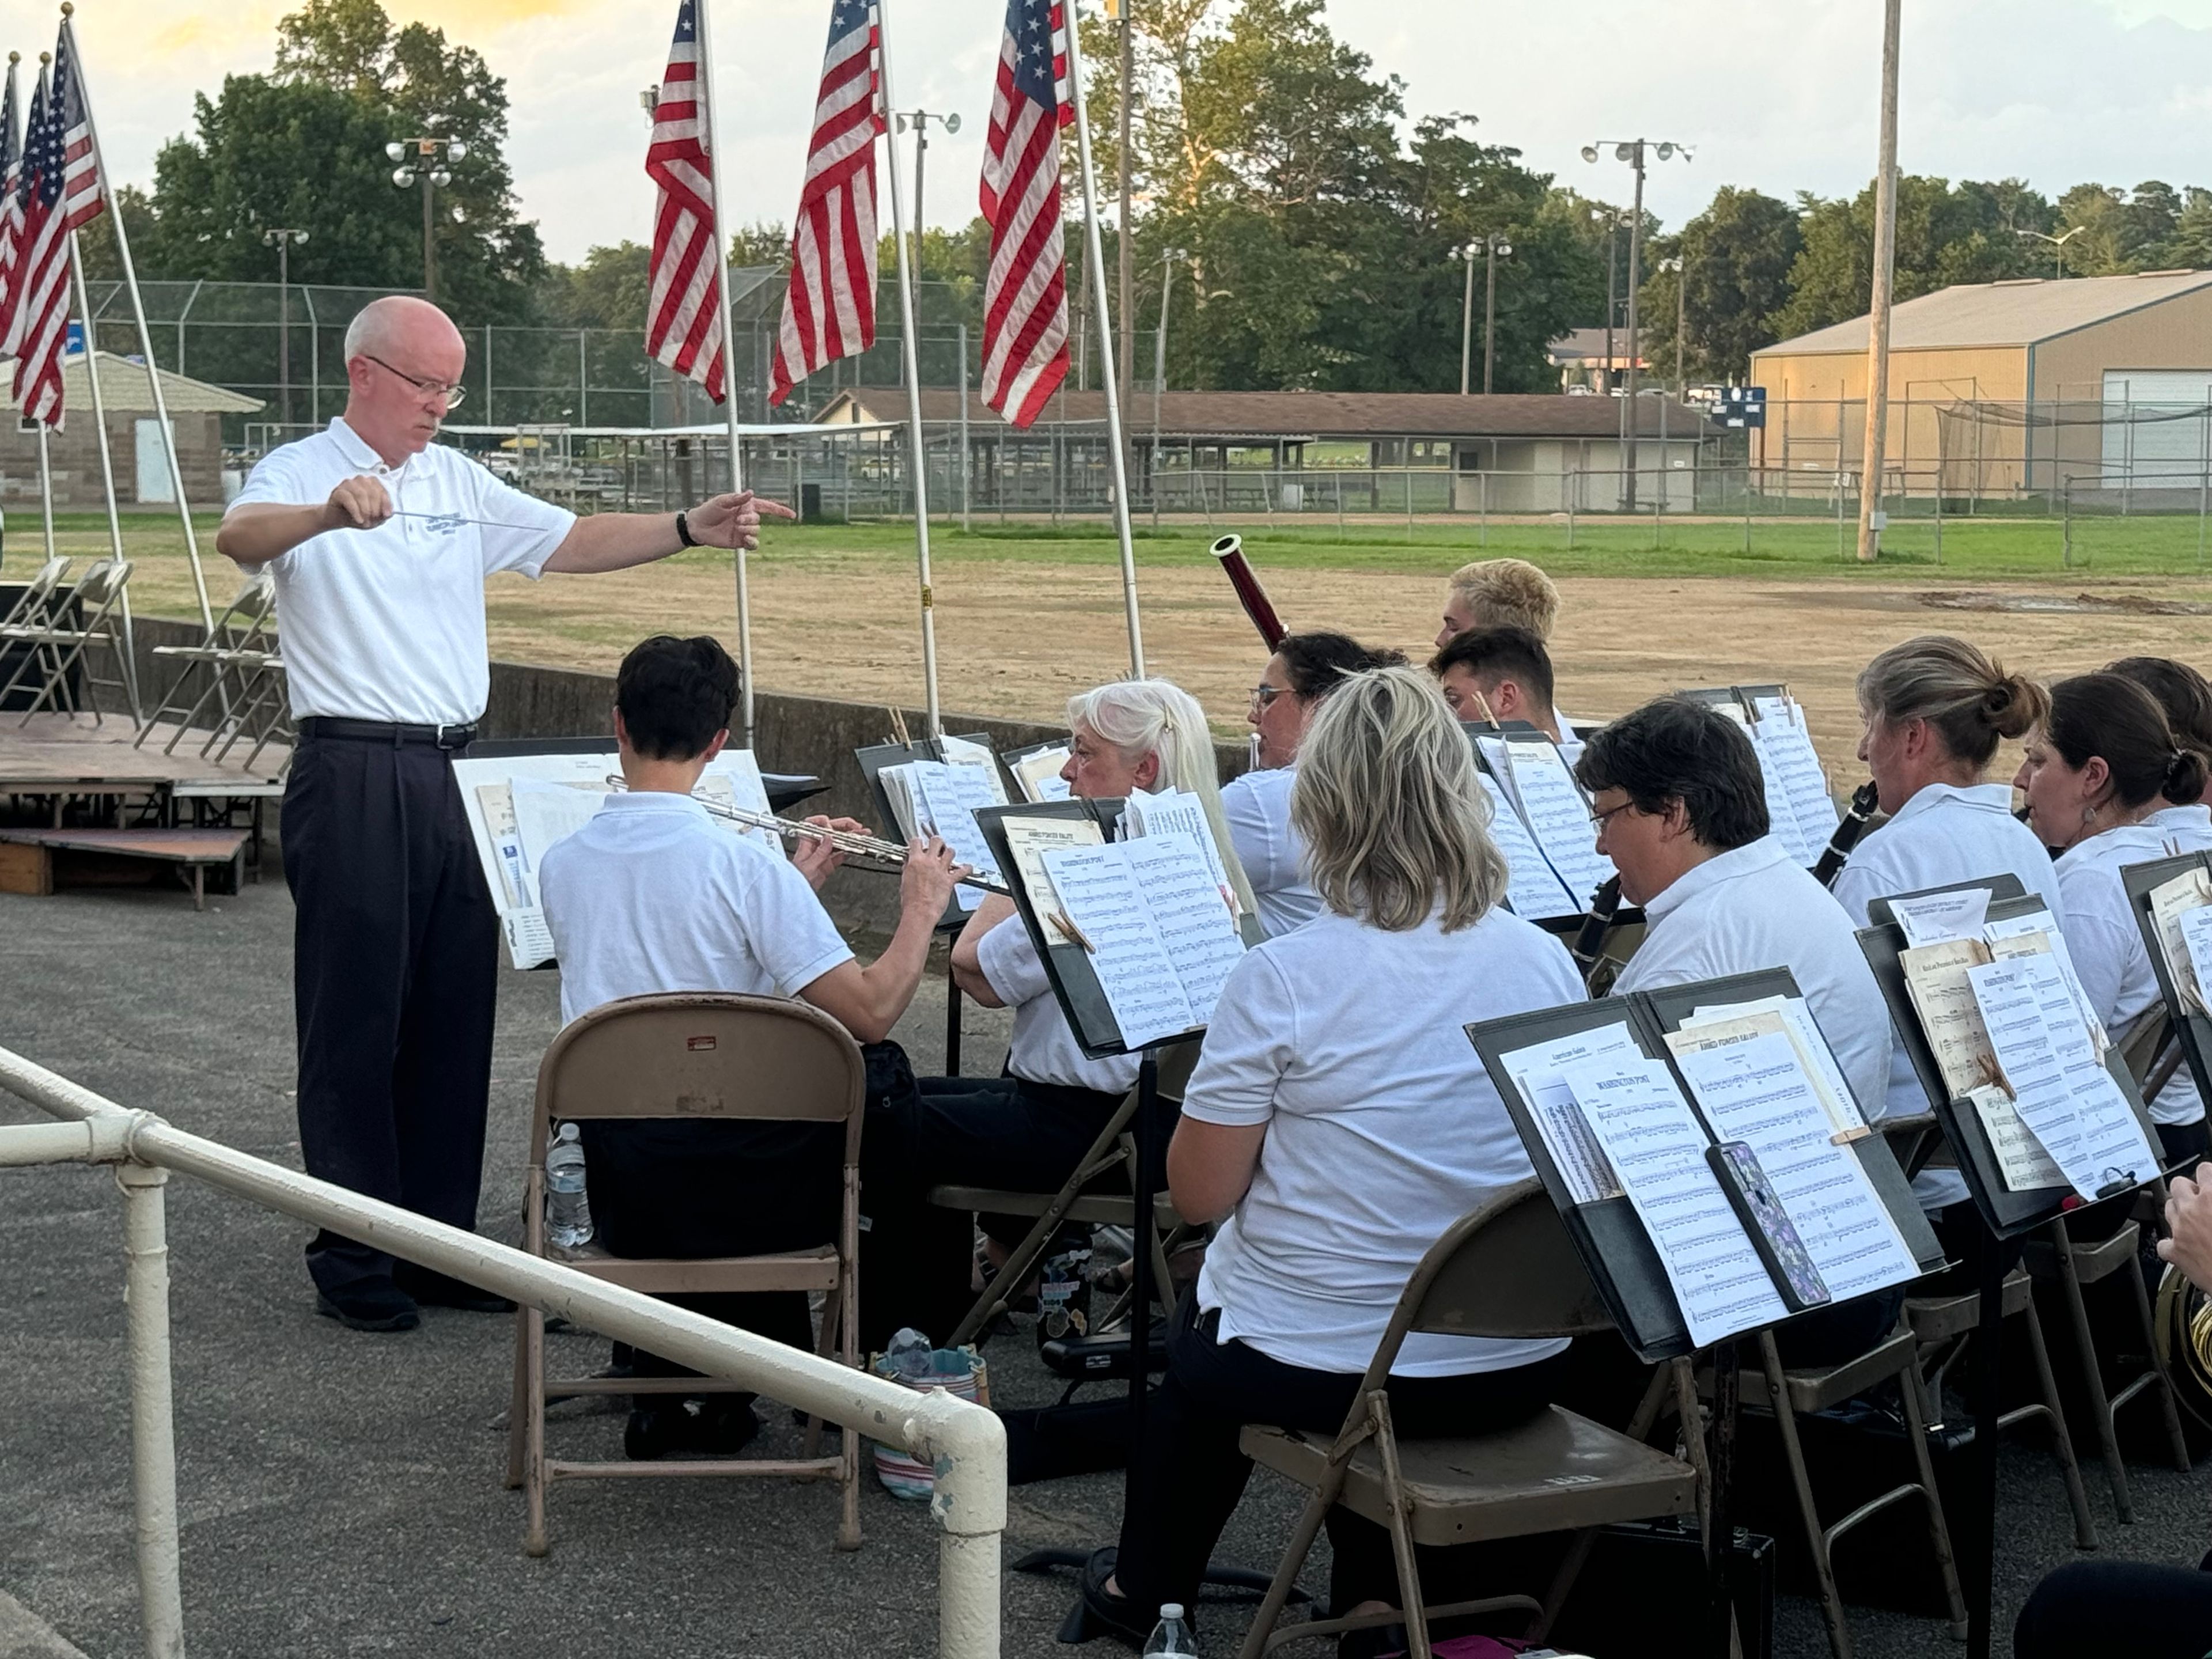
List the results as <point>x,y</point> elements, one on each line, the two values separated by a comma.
<point>66,757</point>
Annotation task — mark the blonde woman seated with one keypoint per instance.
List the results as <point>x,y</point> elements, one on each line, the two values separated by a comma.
<point>1027,1130</point>
<point>1338,1122</point>
<point>2102,770</point>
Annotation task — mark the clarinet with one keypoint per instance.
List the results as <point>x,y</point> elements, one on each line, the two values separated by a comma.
<point>1589,949</point>
<point>1863,801</point>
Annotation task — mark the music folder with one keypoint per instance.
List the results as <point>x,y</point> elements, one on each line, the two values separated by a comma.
<point>2007,1212</point>
<point>2190,1025</point>
<point>1608,1231</point>
<point>875,757</point>
<point>1069,966</point>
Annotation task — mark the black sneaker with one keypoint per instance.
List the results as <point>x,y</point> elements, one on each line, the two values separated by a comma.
<point>437,1290</point>
<point>370,1307</point>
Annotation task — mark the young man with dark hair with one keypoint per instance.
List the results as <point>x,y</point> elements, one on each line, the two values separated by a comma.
<point>1502,674</point>
<point>654,894</point>
<point>1680,809</point>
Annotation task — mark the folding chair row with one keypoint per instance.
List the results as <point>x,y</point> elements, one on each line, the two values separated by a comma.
<point>240,675</point>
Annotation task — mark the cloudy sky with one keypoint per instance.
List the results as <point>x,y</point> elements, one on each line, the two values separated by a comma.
<point>1775,93</point>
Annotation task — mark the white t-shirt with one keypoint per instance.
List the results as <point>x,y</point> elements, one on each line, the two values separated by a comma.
<point>1943,835</point>
<point>1043,1048</point>
<point>1257,806</point>
<point>388,624</point>
<point>1752,907</point>
<point>2109,958</point>
<point>1383,1128</point>
<point>653,896</point>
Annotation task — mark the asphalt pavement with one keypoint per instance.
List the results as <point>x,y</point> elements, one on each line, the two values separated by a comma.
<point>342,1493</point>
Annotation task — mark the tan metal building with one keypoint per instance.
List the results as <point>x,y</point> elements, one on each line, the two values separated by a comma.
<point>1998,387</point>
<point>134,437</point>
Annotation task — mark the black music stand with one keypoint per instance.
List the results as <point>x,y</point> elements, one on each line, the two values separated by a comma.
<point>2007,1215</point>
<point>2192,1029</point>
<point>872,761</point>
<point>1075,985</point>
<point>1611,1239</point>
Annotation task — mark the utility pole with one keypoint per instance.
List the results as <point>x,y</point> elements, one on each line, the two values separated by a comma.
<point>1493,245</point>
<point>1465,255</point>
<point>1632,151</point>
<point>1119,9</point>
<point>282,238</point>
<point>1885,266</point>
<point>1167,258</point>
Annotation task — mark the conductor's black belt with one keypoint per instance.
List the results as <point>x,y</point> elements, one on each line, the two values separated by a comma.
<point>322,727</point>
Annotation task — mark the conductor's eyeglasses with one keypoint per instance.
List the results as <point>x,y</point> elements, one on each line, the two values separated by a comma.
<point>450,395</point>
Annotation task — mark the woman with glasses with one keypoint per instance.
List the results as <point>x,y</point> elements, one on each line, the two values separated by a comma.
<point>379,541</point>
<point>1305,668</point>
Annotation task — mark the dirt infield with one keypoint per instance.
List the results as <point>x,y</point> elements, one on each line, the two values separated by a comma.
<point>1014,638</point>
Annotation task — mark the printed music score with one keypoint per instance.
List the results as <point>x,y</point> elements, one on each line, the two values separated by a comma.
<point>1161,939</point>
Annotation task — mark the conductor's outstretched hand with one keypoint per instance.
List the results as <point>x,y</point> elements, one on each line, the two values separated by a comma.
<point>733,520</point>
<point>358,503</point>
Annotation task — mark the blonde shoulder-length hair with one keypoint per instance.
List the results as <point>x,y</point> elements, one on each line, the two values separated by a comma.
<point>1159,717</point>
<point>1395,819</point>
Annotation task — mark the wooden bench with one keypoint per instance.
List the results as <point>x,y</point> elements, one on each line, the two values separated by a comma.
<point>37,861</point>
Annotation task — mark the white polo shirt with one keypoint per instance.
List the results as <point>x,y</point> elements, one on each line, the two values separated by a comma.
<point>1943,835</point>
<point>388,624</point>
<point>1043,1048</point>
<point>2109,958</point>
<point>1346,1043</point>
<point>1752,907</point>
<point>653,896</point>
<point>1257,807</point>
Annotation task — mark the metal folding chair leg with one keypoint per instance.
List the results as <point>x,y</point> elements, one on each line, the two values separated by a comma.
<point>2062,1443</point>
<point>1939,1532</point>
<point>2093,1375</point>
<point>2156,1377</point>
<point>1801,1482</point>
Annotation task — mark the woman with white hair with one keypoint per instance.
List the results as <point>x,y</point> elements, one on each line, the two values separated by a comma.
<point>1024,1131</point>
<point>1338,1123</point>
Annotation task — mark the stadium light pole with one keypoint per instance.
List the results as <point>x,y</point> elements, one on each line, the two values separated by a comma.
<point>1169,258</point>
<point>1466,255</point>
<point>1873,451</point>
<point>1681,316</point>
<point>426,161</point>
<point>283,238</point>
<point>1637,152</point>
<point>2058,245</point>
<point>1495,247</point>
<point>920,120</point>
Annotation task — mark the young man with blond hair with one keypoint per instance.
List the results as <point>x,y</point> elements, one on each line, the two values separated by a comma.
<point>1499,594</point>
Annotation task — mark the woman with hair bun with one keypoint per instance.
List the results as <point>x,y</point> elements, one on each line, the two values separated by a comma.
<point>1935,708</point>
<point>2099,767</point>
<point>2186,697</point>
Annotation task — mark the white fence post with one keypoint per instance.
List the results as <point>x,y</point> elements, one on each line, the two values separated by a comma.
<point>153,1417</point>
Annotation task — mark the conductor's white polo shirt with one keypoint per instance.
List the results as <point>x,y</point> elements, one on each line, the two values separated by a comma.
<point>1750,909</point>
<point>653,896</point>
<point>388,624</point>
<point>1257,808</point>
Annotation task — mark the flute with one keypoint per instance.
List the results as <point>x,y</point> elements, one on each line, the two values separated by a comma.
<point>845,840</point>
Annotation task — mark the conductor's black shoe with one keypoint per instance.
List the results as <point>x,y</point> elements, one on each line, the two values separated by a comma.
<point>1108,1610</point>
<point>437,1290</point>
<point>373,1307</point>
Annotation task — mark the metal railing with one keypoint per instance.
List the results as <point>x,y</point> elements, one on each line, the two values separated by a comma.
<point>965,1442</point>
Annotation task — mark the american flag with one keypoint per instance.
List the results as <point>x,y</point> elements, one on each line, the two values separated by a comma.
<point>1025,293</point>
<point>683,318</point>
<point>80,191</point>
<point>11,210</point>
<point>38,291</point>
<point>830,309</point>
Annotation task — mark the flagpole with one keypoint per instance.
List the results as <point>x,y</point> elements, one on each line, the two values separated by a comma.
<point>107,462</point>
<point>1097,262</point>
<point>145,337</point>
<point>918,454</point>
<point>729,365</point>
<point>45,490</point>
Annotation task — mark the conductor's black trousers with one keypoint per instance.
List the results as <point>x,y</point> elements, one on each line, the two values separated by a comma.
<point>394,972</point>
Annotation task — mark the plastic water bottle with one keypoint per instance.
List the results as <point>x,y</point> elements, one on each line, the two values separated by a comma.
<point>911,1356</point>
<point>1170,1636</point>
<point>568,1210</point>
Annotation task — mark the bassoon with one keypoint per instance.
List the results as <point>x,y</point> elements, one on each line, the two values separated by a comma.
<point>1230,550</point>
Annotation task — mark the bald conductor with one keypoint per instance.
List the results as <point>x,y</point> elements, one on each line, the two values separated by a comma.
<point>379,541</point>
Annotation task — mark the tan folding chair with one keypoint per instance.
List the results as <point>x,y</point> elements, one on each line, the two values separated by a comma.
<point>1084,1199</point>
<point>695,1055</point>
<point>60,643</point>
<point>1507,1270</point>
<point>243,676</point>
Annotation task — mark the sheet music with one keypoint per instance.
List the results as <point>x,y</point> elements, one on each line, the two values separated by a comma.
<point>1193,919</point>
<point>1950,1016</point>
<point>1932,918</point>
<point>1781,813</point>
<point>1494,755</point>
<point>1757,1091</point>
<point>948,796</point>
<point>1538,1072</point>
<point>528,939</point>
<point>2170,901</point>
<point>733,779</point>
<point>1559,817</point>
<point>1098,890</point>
<point>1656,1144</point>
<point>1038,774</point>
<point>497,802</point>
<point>1813,1050</point>
<point>2022,1164</point>
<point>1532,888</point>
<point>545,813</point>
<point>1787,754</point>
<point>1176,811</point>
<point>2196,927</point>
<point>2066,1098</point>
<point>961,751</point>
<point>1029,839</point>
<point>2038,935</point>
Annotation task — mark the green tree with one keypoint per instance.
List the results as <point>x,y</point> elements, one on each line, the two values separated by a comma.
<point>1736,258</point>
